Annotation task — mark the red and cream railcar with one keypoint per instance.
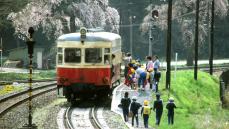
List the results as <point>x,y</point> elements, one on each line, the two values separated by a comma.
<point>88,64</point>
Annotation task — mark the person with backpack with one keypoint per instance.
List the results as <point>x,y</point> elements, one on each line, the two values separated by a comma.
<point>170,107</point>
<point>134,109</point>
<point>125,104</point>
<point>142,76</point>
<point>146,110</point>
<point>158,107</point>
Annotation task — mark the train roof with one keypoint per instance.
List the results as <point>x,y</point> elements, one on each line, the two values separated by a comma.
<point>90,36</point>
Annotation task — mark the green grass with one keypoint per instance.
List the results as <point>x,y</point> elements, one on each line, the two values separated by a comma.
<point>50,74</point>
<point>197,101</point>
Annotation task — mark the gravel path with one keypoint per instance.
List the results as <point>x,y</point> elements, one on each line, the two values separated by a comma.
<point>16,118</point>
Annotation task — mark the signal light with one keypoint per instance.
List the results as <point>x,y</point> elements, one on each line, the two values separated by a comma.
<point>155,14</point>
<point>83,32</point>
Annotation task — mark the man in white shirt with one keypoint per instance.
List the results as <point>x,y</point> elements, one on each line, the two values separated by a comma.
<point>156,64</point>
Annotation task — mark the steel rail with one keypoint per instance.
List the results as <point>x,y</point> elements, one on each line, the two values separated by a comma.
<point>25,91</point>
<point>94,119</point>
<point>25,81</point>
<point>68,122</point>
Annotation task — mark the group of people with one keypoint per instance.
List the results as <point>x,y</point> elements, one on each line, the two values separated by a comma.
<point>137,75</point>
<point>133,107</point>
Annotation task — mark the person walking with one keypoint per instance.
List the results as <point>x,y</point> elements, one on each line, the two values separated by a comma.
<point>145,112</point>
<point>158,107</point>
<point>156,63</point>
<point>170,107</point>
<point>125,103</point>
<point>149,64</point>
<point>156,79</point>
<point>134,109</point>
<point>149,68</point>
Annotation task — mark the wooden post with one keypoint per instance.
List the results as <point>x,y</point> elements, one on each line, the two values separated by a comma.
<point>196,39</point>
<point>168,47</point>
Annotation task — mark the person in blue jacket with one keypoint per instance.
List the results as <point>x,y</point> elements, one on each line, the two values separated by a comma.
<point>125,102</point>
<point>158,107</point>
<point>170,107</point>
<point>134,109</point>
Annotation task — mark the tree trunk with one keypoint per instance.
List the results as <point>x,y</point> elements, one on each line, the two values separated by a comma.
<point>72,24</point>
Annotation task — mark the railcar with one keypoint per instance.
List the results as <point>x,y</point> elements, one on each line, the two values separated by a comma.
<point>88,63</point>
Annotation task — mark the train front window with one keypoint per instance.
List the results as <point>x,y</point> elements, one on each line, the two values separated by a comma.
<point>93,55</point>
<point>72,55</point>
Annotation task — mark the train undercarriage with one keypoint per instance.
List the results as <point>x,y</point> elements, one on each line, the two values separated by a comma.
<point>87,91</point>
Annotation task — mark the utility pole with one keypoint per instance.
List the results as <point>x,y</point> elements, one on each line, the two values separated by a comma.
<point>196,39</point>
<point>1,53</point>
<point>150,39</point>
<point>211,46</point>
<point>150,33</point>
<point>168,47</point>
<point>131,18</point>
<point>131,35</point>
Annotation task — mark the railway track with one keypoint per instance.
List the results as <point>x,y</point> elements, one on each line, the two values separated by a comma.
<point>81,118</point>
<point>13,100</point>
<point>24,81</point>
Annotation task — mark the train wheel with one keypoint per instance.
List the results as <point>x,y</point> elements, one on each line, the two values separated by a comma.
<point>73,99</point>
<point>68,99</point>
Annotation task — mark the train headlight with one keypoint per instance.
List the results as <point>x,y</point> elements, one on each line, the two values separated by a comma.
<point>105,80</point>
<point>62,80</point>
<point>83,32</point>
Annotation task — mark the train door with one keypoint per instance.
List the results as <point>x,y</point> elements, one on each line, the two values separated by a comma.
<point>107,56</point>
<point>59,58</point>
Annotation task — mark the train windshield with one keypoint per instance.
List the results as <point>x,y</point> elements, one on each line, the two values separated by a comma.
<point>93,55</point>
<point>72,55</point>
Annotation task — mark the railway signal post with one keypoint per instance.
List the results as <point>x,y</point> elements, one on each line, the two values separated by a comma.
<point>30,43</point>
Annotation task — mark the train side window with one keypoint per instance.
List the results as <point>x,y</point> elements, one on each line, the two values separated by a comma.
<point>72,55</point>
<point>60,58</point>
<point>93,55</point>
<point>107,50</point>
<point>106,59</point>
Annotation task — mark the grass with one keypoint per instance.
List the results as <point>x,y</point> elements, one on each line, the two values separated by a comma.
<point>197,101</point>
<point>50,74</point>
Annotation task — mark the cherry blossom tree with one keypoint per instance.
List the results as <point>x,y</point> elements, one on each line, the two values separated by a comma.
<point>56,17</point>
<point>184,14</point>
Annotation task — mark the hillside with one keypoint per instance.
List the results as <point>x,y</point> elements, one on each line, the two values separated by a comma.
<point>197,101</point>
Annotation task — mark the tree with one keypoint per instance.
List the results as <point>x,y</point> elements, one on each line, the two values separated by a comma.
<point>184,13</point>
<point>60,16</point>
